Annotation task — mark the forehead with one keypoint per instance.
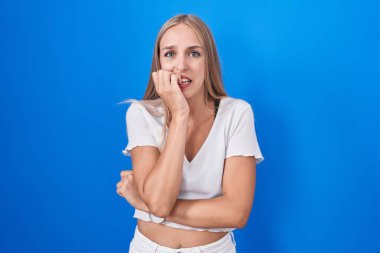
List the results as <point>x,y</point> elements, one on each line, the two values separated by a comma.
<point>180,35</point>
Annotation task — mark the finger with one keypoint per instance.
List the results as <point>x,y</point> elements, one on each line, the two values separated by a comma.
<point>125,172</point>
<point>118,191</point>
<point>174,80</point>
<point>120,184</point>
<point>166,80</point>
<point>127,182</point>
<point>154,77</point>
<point>155,81</point>
<point>127,177</point>
<point>160,78</point>
<point>124,180</point>
<point>123,188</point>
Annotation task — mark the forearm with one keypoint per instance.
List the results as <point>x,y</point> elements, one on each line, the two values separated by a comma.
<point>163,183</point>
<point>207,213</point>
<point>218,212</point>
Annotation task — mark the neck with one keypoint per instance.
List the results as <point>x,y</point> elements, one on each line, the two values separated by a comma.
<point>200,111</point>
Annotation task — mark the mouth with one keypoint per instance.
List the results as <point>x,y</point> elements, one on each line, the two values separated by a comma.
<point>184,82</point>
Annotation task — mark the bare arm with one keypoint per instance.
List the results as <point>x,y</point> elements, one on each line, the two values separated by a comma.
<point>230,210</point>
<point>160,185</point>
<point>158,176</point>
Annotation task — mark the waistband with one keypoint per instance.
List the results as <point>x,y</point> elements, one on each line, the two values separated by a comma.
<point>146,217</point>
<point>218,246</point>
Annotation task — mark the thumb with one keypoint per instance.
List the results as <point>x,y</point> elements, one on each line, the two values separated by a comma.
<point>173,80</point>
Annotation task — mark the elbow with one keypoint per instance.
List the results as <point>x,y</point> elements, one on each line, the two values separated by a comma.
<point>241,219</point>
<point>161,212</point>
<point>158,205</point>
<point>159,209</point>
<point>241,223</point>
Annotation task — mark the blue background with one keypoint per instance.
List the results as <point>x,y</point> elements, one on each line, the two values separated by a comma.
<point>310,70</point>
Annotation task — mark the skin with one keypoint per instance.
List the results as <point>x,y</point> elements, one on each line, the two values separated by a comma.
<point>153,187</point>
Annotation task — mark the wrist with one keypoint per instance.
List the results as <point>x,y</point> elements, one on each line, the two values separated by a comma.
<point>180,118</point>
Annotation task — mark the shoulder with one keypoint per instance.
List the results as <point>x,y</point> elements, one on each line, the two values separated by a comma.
<point>135,109</point>
<point>235,105</point>
<point>144,109</point>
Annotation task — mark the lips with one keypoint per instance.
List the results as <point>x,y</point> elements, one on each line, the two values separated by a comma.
<point>184,81</point>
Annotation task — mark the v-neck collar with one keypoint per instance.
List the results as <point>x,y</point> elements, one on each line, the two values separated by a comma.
<point>199,153</point>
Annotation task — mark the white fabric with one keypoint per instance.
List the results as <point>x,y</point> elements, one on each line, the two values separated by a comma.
<point>232,134</point>
<point>141,243</point>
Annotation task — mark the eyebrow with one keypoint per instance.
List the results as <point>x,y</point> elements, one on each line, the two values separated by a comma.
<point>191,47</point>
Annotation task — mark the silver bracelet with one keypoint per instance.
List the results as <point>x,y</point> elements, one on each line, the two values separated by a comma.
<point>155,219</point>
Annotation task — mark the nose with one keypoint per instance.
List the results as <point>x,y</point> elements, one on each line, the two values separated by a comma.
<point>181,64</point>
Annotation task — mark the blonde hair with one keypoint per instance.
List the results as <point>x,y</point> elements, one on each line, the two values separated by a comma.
<point>214,88</point>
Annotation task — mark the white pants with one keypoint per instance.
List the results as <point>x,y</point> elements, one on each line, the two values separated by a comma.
<point>142,244</point>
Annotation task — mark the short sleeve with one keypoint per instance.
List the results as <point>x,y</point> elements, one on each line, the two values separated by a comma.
<point>138,130</point>
<point>242,139</point>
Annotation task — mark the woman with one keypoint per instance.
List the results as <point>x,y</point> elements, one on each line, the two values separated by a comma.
<point>194,149</point>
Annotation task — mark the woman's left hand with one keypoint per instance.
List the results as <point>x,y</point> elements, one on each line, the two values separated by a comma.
<point>127,189</point>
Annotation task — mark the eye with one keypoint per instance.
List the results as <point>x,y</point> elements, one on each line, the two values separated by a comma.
<point>195,54</point>
<point>169,54</point>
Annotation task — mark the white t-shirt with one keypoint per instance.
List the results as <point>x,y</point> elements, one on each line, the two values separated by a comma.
<point>232,134</point>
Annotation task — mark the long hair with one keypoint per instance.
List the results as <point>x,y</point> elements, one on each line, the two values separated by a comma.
<point>214,88</point>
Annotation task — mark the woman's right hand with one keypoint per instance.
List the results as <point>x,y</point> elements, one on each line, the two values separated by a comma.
<point>166,84</point>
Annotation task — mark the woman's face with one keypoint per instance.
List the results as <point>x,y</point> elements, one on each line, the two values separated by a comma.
<point>181,52</point>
